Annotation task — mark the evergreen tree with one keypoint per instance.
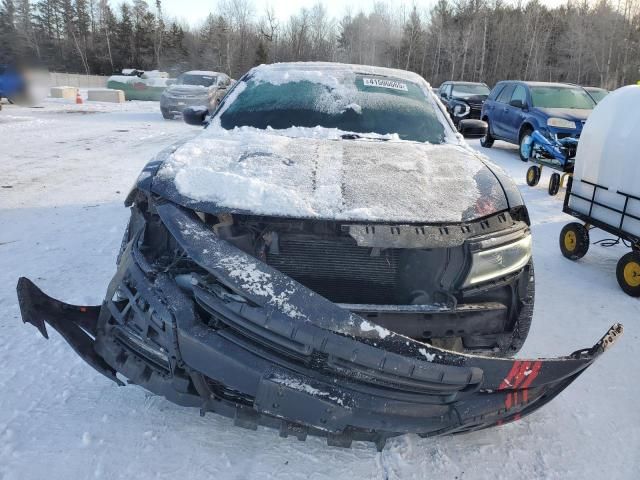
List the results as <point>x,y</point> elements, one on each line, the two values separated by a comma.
<point>262,54</point>
<point>8,53</point>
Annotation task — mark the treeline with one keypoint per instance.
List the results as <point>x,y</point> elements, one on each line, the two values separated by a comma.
<point>582,42</point>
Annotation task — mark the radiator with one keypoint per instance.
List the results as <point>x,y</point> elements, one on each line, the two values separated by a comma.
<point>338,269</point>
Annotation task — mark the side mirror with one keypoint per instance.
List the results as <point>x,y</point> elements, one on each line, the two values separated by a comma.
<point>444,95</point>
<point>195,115</point>
<point>472,128</point>
<point>518,104</point>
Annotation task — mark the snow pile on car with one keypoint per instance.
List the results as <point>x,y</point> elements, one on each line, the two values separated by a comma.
<point>306,173</point>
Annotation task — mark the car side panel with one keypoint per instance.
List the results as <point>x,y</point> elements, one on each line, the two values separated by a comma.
<point>514,117</point>
<point>498,121</point>
<point>489,106</point>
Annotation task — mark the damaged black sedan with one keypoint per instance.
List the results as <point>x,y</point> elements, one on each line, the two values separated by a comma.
<point>327,257</point>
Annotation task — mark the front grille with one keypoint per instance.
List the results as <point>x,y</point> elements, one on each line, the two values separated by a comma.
<point>338,269</point>
<point>476,110</point>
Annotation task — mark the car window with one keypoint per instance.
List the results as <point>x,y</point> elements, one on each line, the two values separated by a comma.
<point>496,91</point>
<point>202,80</point>
<point>597,93</point>
<point>561,97</point>
<point>357,103</point>
<point>505,94</point>
<point>519,93</point>
<point>468,90</point>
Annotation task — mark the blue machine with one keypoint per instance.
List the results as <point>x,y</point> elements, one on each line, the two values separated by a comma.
<point>557,154</point>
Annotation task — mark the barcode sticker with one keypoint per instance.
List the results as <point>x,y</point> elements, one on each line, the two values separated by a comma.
<point>382,83</point>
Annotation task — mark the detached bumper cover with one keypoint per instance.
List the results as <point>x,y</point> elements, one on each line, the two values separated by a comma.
<point>275,353</point>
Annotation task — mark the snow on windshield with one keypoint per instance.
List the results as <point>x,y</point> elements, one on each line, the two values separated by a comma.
<point>381,99</point>
<point>340,84</point>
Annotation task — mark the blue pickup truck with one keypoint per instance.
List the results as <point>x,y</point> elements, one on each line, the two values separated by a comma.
<point>515,109</point>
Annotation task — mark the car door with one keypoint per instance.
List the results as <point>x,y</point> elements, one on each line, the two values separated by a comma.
<point>498,117</point>
<point>514,115</point>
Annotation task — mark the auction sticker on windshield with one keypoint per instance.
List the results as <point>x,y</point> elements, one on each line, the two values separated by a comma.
<point>382,83</point>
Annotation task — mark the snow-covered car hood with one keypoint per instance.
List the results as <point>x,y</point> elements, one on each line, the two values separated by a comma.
<point>316,174</point>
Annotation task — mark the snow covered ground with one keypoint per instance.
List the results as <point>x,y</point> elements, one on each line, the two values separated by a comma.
<point>65,171</point>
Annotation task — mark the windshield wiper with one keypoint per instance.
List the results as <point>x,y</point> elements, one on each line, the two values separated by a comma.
<point>355,136</point>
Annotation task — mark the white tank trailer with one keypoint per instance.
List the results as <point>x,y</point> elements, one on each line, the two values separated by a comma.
<point>605,190</point>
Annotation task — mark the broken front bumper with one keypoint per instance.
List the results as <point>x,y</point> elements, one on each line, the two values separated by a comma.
<point>265,350</point>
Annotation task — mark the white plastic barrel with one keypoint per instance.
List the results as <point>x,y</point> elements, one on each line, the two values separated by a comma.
<point>609,155</point>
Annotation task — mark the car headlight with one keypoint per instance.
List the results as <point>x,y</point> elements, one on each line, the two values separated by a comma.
<point>560,123</point>
<point>499,261</point>
<point>460,109</point>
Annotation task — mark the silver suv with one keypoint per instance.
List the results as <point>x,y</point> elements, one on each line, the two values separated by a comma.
<point>194,88</point>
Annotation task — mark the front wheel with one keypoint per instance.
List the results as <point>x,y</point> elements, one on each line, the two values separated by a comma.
<point>554,184</point>
<point>574,241</point>
<point>487,140</point>
<point>524,149</point>
<point>533,175</point>
<point>628,273</point>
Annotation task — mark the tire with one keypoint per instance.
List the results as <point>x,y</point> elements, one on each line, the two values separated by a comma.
<point>166,115</point>
<point>525,317</point>
<point>554,184</point>
<point>487,140</point>
<point>628,273</point>
<point>523,136</point>
<point>574,241</point>
<point>533,175</point>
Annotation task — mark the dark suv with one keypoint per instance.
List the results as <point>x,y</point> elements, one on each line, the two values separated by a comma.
<point>463,99</point>
<point>515,109</point>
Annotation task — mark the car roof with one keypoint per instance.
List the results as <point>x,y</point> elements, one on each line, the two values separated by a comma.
<point>596,89</point>
<point>343,67</point>
<point>205,73</point>
<point>541,84</point>
<point>456,82</point>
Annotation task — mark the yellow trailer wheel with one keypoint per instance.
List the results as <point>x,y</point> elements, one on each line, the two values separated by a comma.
<point>628,273</point>
<point>574,241</point>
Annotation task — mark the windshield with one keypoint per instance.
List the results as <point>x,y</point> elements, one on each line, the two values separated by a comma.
<point>469,90</point>
<point>561,97</point>
<point>597,93</point>
<point>364,104</point>
<point>202,80</point>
